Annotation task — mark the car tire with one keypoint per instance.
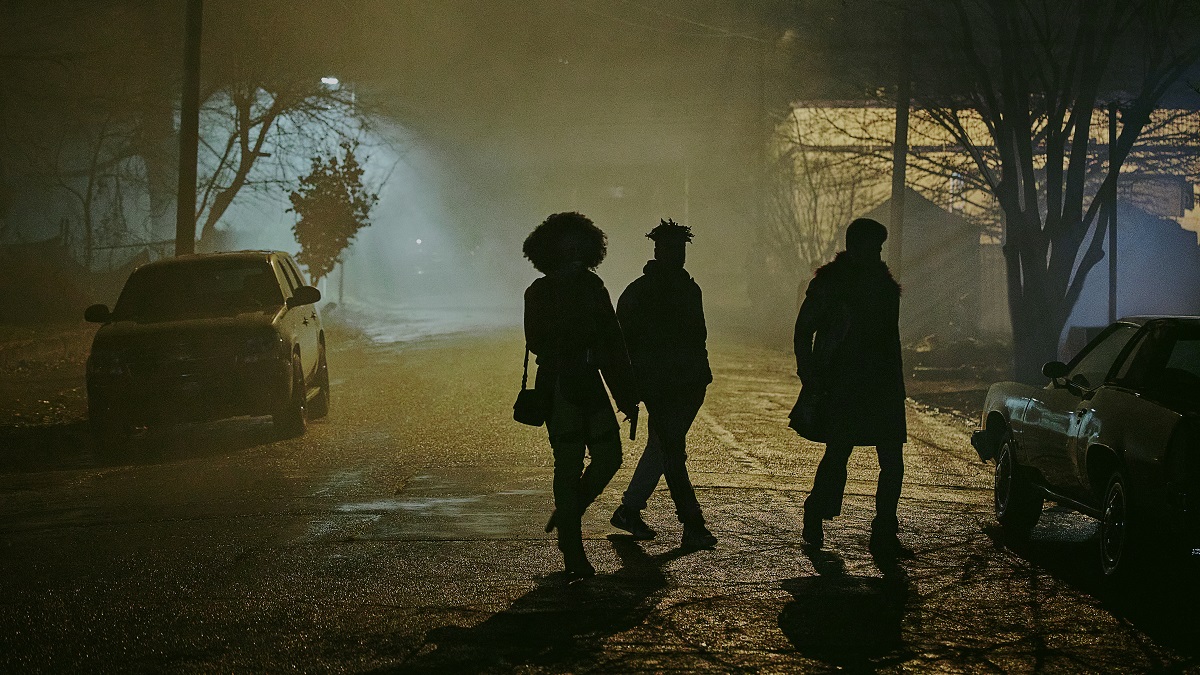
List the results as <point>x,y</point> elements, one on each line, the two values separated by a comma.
<point>111,436</point>
<point>292,418</point>
<point>1018,502</point>
<point>319,407</point>
<point>1117,532</point>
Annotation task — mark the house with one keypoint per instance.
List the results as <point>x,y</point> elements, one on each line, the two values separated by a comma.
<point>1158,272</point>
<point>940,274</point>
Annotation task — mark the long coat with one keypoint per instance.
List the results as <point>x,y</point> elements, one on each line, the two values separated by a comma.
<point>847,346</point>
<point>662,317</point>
<point>571,326</point>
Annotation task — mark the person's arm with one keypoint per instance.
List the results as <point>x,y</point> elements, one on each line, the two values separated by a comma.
<point>807,322</point>
<point>629,308</point>
<point>700,314</point>
<point>617,372</point>
<point>539,327</point>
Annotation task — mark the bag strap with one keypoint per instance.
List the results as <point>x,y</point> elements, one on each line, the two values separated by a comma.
<point>525,370</point>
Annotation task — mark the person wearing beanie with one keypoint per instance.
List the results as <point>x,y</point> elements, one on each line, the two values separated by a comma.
<point>847,344</point>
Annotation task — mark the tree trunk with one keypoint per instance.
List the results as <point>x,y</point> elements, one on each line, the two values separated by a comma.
<point>1035,343</point>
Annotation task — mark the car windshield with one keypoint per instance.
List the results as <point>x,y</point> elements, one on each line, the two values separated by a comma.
<point>200,288</point>
<point>1092,368</point>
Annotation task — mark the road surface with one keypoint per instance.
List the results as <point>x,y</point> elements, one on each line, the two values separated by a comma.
<point>404,534</point>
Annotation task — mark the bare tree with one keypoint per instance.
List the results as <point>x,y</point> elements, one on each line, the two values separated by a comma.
<point>814,190</point>
<point>1034,75</point>
<point>286,121</point>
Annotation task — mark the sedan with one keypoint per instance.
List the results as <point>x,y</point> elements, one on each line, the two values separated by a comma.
<point>1114,434</point>
<point>205,337</point>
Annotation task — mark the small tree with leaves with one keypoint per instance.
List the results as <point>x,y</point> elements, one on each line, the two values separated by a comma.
<point>331,206</point>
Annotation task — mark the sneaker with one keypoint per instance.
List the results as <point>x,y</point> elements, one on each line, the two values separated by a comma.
<point>631,521</point>
<point>813,533</point>
<point>697,537</point>
<point>888,546</point>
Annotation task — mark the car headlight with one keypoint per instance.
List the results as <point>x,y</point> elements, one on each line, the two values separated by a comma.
<point>105,362</point>
<point>259,348</point>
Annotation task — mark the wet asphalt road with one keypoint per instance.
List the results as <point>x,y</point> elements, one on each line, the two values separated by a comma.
<point>404,533</point>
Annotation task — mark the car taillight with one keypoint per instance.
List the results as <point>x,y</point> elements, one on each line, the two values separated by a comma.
<point>107,363</point>
<point>261,348</point>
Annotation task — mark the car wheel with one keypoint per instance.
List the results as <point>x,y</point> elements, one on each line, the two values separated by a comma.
<point>110,435</point>
<point>292,418</point>
<point>1115,531</point>
<point>1018,502</point>
<point>320,404</point>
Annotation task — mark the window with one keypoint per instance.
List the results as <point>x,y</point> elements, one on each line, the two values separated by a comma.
<point>286,271</point>
<point>296,271</point>
<point>1097,361</point>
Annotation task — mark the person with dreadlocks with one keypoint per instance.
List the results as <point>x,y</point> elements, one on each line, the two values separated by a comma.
<point>847,344</point>
<point>662,317</point>
<point>571,326</point>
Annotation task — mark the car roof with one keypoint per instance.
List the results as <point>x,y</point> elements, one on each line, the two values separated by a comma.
<point>246,256</point>
<point>1177,319</point>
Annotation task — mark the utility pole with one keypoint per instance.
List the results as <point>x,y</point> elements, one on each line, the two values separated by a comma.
<point>1112,217</point>
<point>341,282</point>
<point>189,131</point>
<point>900,159</point>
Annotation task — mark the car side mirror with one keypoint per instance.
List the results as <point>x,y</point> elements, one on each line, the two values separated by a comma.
<point>1055,370</point>
<point>97,314</point>
<point>305,295</point>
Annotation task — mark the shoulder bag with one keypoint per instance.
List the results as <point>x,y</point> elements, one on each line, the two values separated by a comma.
<point>532,406</point>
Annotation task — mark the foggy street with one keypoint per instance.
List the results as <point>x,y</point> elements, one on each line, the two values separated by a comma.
<point>404,533</point>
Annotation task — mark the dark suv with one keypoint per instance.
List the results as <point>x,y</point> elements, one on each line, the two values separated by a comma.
<point>205,337</point>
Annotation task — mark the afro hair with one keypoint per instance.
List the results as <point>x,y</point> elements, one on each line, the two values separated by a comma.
<point>565,238</point>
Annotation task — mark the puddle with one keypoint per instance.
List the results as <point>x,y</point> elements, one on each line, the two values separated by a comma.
<point>407,504</point>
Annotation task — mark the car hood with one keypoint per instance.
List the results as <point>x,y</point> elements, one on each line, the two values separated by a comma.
<point>202,334</point>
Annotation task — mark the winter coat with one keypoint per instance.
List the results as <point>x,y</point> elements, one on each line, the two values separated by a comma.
<point>847,346</point>
<point>571,326</point>
<point>662,317</point>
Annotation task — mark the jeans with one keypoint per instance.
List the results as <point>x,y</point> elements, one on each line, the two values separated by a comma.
<point>829,485</point>
<point>575,431</point>
<point>671,417</point>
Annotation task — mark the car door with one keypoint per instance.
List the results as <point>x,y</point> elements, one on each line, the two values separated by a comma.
<point>307,327</point>
<point>290,321</point>
<point>1054,414</point>
<point>1110,403</point>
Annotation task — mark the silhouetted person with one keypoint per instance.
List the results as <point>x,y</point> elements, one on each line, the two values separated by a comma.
<point>848,358</point>
<point>662,317</point>
<point>571,326</point>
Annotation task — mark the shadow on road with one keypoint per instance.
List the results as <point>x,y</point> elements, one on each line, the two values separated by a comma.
<point>843,620</point>
<point>1160,599</point>
<point>54,447</point>
<point>557,625</point>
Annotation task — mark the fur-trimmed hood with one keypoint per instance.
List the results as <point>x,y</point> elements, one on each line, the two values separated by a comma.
<point>844,267</point>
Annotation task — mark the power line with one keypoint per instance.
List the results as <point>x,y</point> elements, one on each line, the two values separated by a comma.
<point>724,32</point>
<point>708,29</point>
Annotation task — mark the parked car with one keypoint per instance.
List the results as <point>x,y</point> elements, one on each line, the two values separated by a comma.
<point>205,337</point>
<point>1115,435</point>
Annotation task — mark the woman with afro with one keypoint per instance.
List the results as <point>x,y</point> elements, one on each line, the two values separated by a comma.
<point>571,326</point>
